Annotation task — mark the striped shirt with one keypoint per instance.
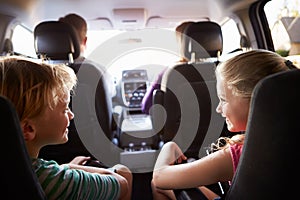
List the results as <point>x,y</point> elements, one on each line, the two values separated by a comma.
<point>61,182</point>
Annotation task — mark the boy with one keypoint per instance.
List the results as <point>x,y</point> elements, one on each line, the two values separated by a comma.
<point>41,94</point>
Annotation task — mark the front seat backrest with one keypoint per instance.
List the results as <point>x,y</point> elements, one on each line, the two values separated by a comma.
<point>18,180</point>
<point>267,168</point>
<point>57,41</point>
<point>188,93</point>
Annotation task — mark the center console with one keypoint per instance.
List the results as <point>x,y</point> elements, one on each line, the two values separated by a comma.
<point>133,87</point>
<point>136,133</point>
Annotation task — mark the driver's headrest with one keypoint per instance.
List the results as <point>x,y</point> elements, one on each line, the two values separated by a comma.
<point>56,40</point>
<point>203,39</point>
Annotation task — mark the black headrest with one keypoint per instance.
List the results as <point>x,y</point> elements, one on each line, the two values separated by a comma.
<point>204,39</point>
<point>56,40</point>
<point>7,47</point>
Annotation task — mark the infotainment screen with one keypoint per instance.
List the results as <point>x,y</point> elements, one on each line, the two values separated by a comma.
<point>134,93</point>
<point>134,87</point>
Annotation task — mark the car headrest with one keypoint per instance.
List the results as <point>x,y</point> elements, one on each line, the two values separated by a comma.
<point>203,39</point>
<point>56,40</point>
<point>7,47</point>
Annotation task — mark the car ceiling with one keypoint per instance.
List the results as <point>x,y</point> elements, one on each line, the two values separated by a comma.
<point>125,14</point>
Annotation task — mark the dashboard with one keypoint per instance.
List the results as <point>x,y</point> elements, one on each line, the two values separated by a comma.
<point>133,87</point>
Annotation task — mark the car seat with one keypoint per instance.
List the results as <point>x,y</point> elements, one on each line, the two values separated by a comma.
<point>18,180</point>
<point>188,93</point>
<point>57,42</point>
<point>267,168</point>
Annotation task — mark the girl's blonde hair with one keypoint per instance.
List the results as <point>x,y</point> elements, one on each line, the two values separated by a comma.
<point>32,86</point>
<point>242,72</point>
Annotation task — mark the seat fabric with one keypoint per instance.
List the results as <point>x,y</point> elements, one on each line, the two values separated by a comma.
<point>267,168</point>
<point>91,101</point>
<point>18,180</point>
<point>188,93</point>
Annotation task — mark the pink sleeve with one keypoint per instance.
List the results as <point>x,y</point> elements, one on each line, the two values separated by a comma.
<point>235,151</point>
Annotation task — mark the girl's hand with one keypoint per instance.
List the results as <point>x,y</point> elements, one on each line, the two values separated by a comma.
<point>179,157</point>
<point>170,154</point>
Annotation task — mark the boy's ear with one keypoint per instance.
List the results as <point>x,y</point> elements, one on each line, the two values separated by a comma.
<point>28,130</point>
<point>85,40</point>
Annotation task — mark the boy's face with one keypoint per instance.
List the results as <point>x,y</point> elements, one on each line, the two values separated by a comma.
<point>52,126</point>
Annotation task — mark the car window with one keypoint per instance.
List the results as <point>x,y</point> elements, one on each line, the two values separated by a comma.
<point>23,41</point>
<point>139,49</point>
<point>231,36</point>
<point>284,22</point>
<point>151,58</point>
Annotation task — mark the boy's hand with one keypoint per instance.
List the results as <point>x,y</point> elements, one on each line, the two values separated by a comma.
<point>80,160</point>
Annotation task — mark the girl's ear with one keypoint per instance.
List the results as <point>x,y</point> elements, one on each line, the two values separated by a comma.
<point>28,130</point>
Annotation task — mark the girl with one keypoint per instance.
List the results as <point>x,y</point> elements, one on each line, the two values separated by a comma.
<point>236,79</point>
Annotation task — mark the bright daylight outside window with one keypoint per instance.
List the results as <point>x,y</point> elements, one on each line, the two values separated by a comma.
<point>231,36</point>
<point>284,21</point>
<point>231,40</point>
<point>137,54</point>
<point>23,41</point>
<point>152,59</point>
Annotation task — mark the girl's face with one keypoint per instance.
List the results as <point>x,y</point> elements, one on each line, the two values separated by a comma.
<point>52,126</point>
<point>234,108</point>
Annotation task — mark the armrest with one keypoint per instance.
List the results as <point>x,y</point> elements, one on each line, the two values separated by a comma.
<point>158,97</point>
<point>189,194</point>
<point>117,115</point>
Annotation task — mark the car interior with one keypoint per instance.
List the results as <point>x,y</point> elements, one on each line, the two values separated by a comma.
<point>131,42</point>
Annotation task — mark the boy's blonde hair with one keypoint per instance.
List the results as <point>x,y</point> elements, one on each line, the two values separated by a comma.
<point>32,86</point>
